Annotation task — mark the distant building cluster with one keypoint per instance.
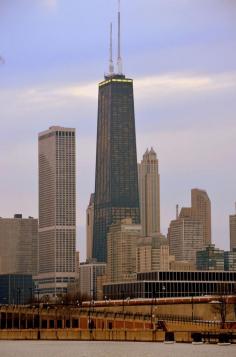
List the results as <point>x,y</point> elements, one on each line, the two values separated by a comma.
<point>127,254</point>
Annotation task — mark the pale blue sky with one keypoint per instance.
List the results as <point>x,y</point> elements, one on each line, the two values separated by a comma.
<point>182,56</point>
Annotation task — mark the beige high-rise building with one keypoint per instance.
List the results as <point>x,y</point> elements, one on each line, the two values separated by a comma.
<point>89,227</point>
<point>186,237</point>
<point>232,224</point>
<point>152,254</point>
<point>121,250</point>
<point>149,193</point>
<point>18,245</point>
<point>201,208</point>
<point>57,210</point>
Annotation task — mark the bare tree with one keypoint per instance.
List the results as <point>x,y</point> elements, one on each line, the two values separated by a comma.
<point>72,299</point>
<point>220,305</point>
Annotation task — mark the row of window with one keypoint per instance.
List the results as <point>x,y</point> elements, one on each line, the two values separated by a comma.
<point>65,133</point>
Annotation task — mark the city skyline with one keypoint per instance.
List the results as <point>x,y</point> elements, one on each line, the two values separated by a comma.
<point>182,99</point>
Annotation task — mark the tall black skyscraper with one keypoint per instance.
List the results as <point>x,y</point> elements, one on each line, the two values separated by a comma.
<point>116,183</point>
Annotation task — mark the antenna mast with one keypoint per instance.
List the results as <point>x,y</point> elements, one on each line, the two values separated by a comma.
<point>111,65</point>
<point>177,211</point>
<point>119,59</point>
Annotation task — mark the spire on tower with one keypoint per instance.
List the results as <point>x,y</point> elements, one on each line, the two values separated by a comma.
<point>119,59</point>
<point>111,65</point>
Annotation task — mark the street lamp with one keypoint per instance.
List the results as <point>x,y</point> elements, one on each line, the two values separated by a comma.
<point>90,323</point>
<point>192,308</point>
<point>18,296</point>
<point>123,299</point>
<point>153,300</point>
<point>38,316</point>
<point>30,299</point>
<point>163,291</point>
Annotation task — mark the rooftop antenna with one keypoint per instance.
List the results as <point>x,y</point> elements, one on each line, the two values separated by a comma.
<point>119,59</point>
<point>111,65</point>
<point>177,211</point>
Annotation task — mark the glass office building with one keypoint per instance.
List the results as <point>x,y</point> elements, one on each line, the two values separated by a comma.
<point>16,289</point>
<point>173,284</point>
<point>116,182</point>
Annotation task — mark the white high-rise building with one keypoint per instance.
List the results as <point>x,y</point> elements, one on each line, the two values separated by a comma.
<point>57,210</point>
<point>149,193</point>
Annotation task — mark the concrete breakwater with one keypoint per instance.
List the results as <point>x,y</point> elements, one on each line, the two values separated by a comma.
<point>108,335</point>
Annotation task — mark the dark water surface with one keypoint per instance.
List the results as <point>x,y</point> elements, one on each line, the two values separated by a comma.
<point>111,349</point>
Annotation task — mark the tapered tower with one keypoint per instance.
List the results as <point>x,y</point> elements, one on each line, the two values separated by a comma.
<point>149,193</point>
<point>116,182</point>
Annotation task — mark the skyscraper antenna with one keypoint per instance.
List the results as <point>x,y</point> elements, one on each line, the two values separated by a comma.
<point>119,59</point>
<point>111,65</point>
<point>177,211</point>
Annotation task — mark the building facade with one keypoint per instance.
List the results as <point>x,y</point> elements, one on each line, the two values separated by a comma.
<point>152,253</point>
<point>57,210</point>
<point>90,271</point>
<point>201,209</point>
<point>163,284</point>
<point>89,227</point>
<point>182,265</point>
<point>116,182</point>
<point>185,236</point>
<point>210,258</point>
<point>230,260</point>
<point>16,289</point>
<point>121,250</point>
<point>232,225</point>
<point>18,245</point>
<point>149,193</point>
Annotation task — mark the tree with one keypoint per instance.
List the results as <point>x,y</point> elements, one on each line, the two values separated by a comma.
<point>220,305</point>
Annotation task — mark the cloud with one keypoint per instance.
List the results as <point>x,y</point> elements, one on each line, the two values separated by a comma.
<point>51,4</point>
<point>159,85</point>
<point>172,83</point>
